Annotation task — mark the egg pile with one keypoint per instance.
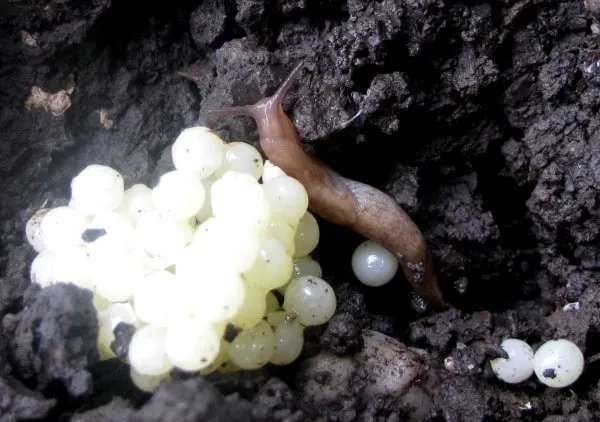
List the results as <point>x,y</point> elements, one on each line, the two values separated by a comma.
<point>192,263</point>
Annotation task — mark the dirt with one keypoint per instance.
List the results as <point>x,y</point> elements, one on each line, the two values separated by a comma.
<point>481,119</point>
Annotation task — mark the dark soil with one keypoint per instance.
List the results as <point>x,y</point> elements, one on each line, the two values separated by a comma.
<point>481,119</point>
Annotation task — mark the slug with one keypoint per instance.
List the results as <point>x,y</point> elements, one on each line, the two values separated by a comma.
<point>349,203</point>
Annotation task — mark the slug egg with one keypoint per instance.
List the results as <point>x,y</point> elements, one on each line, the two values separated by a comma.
<point>191,345</point>
<point>179,195</point>
<point>307,235</point>
<point>147,354</point>
<point>137,201</point>
<point>558,363</point>
<point>238,197</point>
<point>198,150</point>
<point>373,265</point>
<point>271,171</point>
<point>62,227</point>
<point>242,157</point>
<point>33,230</point>
<point>96,189</point>
<point>311,298</point>
<point>519,365</point>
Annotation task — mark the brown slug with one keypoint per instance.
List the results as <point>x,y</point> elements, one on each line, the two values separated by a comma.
<point>342,201</point>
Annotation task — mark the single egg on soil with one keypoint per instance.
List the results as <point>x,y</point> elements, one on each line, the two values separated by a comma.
<point>373,265</point>
<point>519,365</point>
<point>558,363</point>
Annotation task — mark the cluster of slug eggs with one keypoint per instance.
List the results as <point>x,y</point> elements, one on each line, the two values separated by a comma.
<point>196,255</point>
<point>557,363</point>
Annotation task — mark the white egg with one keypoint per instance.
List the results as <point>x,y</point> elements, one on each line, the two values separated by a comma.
<point>373,265</point>
<point>62,227</point>
<point>137,201</point>
<point>33,230</point>
<point>558,363</point>
<point>519,365</point>
<point>178,195</point>
<point>242,157</point>
<point>97,189</point>
<point>271,171</point>
<point>198,150</point>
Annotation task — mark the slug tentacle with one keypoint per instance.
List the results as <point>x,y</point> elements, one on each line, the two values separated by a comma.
<point>339,200</point>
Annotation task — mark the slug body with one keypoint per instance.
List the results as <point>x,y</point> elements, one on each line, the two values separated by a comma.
<point>342,201</point>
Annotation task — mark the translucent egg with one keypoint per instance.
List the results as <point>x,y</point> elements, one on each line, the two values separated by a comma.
<point>283,232</point>
<point>147,353</point>
<point>271,171</point>
<point>97,189</point>
<point>311,298</point>
<point>33,230</point>
<point>306,266</point>
<point>156,300</point>
<point>373,265</point>
<point>205,212</point>
<point>288,340</point>
<point>287,198</point>
<point>42,269</point>
<point>242,157</point>
<point>302,267</point>
<point>307,235</point>
<point>216,295</point>
<point>109,232</point>
<point>239,197</point>
<point>117,276</point>
<point>253,309</point>
<point>73,265</point>
<point>558,363</point>
<point>519,365</point>
<point>238,244</point>
<point>218,362</point>
<point>198,150</point>
<point>178,195</point>
<point>162,236</point>
<point>137,201</point>
<point>146,383</point>
<point>273,266</point>
<point>62,227</point>
<point>272,303</point>
<point>192,345</point>
<point>252,348</point>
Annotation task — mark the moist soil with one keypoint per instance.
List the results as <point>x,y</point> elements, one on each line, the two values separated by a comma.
<point>479,118</point>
